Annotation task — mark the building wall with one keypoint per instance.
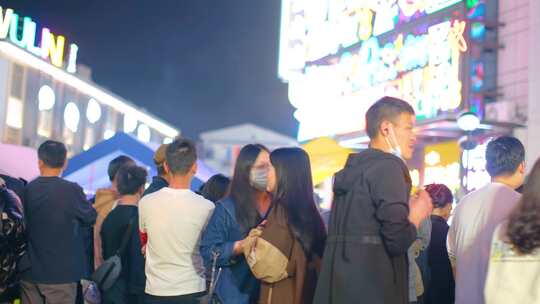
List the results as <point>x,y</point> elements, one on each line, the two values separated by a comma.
<point>26,88</point>
<point>513,58</point>
<point>3,91</point>
<point>519,69</point>
<point>534,82</point>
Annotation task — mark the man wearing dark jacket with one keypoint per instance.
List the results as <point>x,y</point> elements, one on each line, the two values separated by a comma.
<point>55,212</point>
<point>372,223</point>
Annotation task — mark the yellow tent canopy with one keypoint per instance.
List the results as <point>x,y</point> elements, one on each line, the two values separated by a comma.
<point>326,156</point>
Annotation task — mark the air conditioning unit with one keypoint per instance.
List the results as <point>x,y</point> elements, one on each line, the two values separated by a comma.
<point>500,111</point>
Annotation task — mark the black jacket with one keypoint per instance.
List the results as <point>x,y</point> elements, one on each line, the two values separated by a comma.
<point>441,285</point>
<point>12,242</point>
<point>113,231</point>
<point>14,184</point>
<point>157,184</point>
<point>365,260</point>
<point>56,212</point>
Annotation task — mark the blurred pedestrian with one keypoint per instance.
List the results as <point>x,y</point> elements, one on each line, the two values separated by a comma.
<point>216,188</point>
<point>56,211</point>
<point>104,202</point>
<point>12,242</point>
<point>514,263</point>
<point>479,213</point>
<point>441,287</point>
<point>171,222</point>
<point>159,181</point>
<point>244,209</point>
<point>123,222</point>
<point>372,222</point>
<point>285,252</point>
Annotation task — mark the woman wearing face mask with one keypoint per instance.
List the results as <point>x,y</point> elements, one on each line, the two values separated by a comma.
<point>285,252</point>
<point>222,242</point>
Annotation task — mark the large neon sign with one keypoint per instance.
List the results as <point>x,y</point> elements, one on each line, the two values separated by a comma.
<point>22,31</point>
<point>340,56</point>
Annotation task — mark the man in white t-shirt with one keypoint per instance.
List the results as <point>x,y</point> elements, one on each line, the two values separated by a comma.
<point>171,222</point>
<point>478,214</point>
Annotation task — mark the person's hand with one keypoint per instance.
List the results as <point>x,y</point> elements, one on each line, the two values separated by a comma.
<point>2,183</point>
<point>420,207</point>
<point>238,247</point>
<point>262,225</point>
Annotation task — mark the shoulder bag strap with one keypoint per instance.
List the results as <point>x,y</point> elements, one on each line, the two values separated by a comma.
<point>126,237</point>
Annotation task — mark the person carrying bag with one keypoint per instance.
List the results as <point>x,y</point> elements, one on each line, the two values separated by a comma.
<point>107,274</point>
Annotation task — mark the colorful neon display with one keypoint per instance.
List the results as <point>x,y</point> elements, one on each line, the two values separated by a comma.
<point>24,34</point>
<point>322,28</point>
<point>341,56</point>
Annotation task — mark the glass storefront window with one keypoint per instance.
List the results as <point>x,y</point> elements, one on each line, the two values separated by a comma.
<point>15,112</point>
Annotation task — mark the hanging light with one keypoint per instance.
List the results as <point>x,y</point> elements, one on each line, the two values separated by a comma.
<point>130,123</point>
<point>46,98</point>
<point>93,111</point>
<point>468,121</point>
<point>72,117</point>
<point>143,133</point>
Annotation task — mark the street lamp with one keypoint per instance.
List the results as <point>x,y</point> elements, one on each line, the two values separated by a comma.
<point>468,121</point>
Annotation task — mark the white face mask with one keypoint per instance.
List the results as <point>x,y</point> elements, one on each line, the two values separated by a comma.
<point>259,178</point>
<point>396,150</point>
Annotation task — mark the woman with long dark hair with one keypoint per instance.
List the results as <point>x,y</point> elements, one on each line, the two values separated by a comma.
<point>514,264</point>
<point>285,251</point>
<point>222,242</point>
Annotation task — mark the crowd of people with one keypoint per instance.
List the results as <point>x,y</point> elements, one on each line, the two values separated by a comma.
<point>259,237</point>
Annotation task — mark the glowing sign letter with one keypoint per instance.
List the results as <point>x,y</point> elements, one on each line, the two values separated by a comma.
<point>5,21</point>
<point>456,35</point>
<point>14,31</point>
<point>30,36</point>
<point>53,48</point>
<point>365,27</point>
<point>72,63</point>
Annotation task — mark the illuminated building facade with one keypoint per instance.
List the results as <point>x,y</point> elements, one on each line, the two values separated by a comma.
<point>42,95</point>
<point>340,56</point>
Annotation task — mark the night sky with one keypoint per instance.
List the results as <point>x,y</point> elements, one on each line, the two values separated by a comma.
<point>198,64</point>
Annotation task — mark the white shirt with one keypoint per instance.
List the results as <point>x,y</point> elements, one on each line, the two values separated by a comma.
<point>469,238</point>
<point>512,277</point>
<point>174,220</point>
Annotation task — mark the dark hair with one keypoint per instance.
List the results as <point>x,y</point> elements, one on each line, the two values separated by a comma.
<point>241,191</point>
<point>440,195</point>
<point>215,188</point>
<point>386,108</point>
<point>118,163</point>
<point>504,155</point>
<point>52,153</point>
<point>294,192</point>
<point>130,179</point>
<point>524,221</point>
<point>180,156</point>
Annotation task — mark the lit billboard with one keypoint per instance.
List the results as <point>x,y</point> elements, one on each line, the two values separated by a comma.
<point>340,56</point>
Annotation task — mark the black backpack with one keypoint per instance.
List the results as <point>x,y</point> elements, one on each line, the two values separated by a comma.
<point>12,239</point>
